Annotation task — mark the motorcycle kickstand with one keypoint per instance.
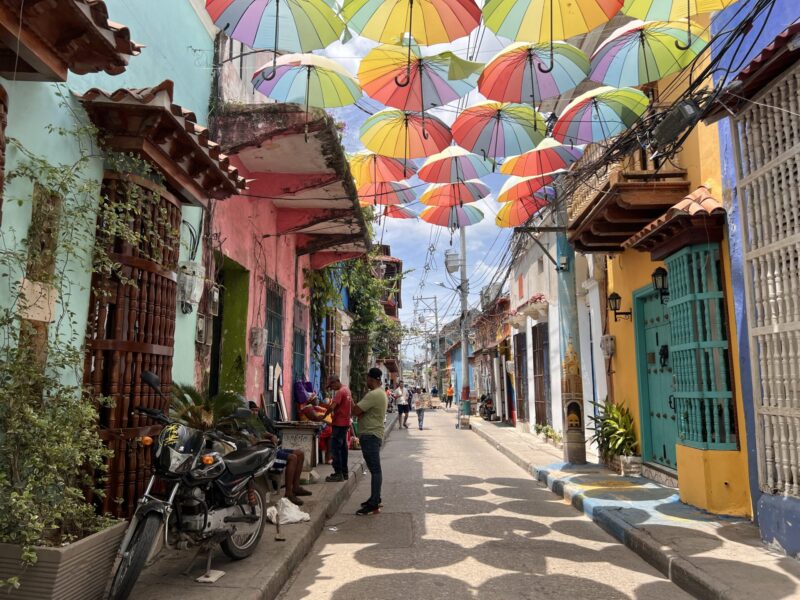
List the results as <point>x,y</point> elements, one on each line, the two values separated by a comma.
<point>210,575</point>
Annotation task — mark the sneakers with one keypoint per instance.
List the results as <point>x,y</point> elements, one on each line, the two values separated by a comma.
<point>301,492</point>
<point>335,477</point>
<point>380,503</point>
<point>368,510</point>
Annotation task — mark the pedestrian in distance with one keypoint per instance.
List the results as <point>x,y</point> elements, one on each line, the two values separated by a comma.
<point>434,391</point>
<point>340,406</point>
<point>451,392</point>
<point>403,406</point>
<point>371,412</point>
<point>419,406</point>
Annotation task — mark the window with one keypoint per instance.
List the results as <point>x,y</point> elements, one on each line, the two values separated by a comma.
<point>274,322</point>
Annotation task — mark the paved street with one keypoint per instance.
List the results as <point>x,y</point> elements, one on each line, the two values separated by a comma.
<point>460,520</point>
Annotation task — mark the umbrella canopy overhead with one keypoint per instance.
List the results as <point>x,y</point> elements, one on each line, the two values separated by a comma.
<point>454,163</point>
<point>427,21</point>
<point>641,52</point>
<point>368,167</point>
<point>399,212</point>
<point>547,157</point>
<point>533,21</point>
<point>398,134</point>
<point>671,10</point>
<point>517,73</point>
<point>516,188</point>
<point>454,194</point>
<point>599,114</point>
<point>387,76</point>
<point>385,193</point>
<point>518,212</point>
<point>307,79</point>
<point>453,217</point>
<point>499,128</point>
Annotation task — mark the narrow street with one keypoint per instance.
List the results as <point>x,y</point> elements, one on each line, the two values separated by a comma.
<point>461,520</point>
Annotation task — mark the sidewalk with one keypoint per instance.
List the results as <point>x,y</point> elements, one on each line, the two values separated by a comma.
<point>269,568</point>
<point>709,556</point>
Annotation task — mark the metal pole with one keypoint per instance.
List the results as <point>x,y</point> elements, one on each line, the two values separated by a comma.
<point>464,287</point>
<point>438,349</point>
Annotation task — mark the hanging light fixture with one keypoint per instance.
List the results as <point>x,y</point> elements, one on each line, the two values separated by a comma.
<point>614,304</point>
<point>660,283</point>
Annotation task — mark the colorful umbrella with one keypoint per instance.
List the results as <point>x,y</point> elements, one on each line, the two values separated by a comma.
<point>368,167</point>
<point>454,163</point>
<point>516,188</point>
<point>288,25</point>
<point>547,157</point>
<point>399,212</point>
<point>386,192</point>
<point>548,193</point>
<point>454,194</point>
<point>499,128</point>
<point>387,76</point>
<point>452,217</point>
<point>599,114</point>
<point>517,213</point>
<point>405,135</point>
<point>640,53</point>
<point>547,20</point>
<point>511,77</point>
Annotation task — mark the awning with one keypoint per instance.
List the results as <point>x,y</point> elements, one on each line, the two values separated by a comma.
<point>146,122</point>
<point>40,40</point>
<point>698,218</point>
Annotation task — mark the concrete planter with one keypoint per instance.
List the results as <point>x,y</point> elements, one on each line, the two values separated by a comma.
<point>537,311</point>
<point>630,466</point>
<point>77,571</point>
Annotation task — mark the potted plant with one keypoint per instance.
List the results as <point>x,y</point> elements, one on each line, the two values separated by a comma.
<point>616,439</point>
<point>536,307</point>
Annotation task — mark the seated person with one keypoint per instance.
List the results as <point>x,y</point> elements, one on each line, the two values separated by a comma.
<point>288,460</point>
<point>311,408</point>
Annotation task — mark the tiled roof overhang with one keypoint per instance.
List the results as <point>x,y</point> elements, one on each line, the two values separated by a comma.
<point>145,121</point>
<point>40,40</point>
<point>698,218</point>
<point>309,182</point>
<point>773,60</point>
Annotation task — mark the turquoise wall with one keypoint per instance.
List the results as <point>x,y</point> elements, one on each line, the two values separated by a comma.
<point>178,46</point>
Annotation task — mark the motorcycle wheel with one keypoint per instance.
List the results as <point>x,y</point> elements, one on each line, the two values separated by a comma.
<point>239,546</point>
<point>133,561</point>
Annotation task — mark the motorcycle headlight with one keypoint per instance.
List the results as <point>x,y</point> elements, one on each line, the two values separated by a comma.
<point>178,461</point>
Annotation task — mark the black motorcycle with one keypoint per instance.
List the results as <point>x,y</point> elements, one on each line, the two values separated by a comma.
<point>214,494</point>
<point>486,407</point>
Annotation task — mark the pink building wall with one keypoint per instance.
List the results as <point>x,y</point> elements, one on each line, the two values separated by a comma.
<point>241,222</point>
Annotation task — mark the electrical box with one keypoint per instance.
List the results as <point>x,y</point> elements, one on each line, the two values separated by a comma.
<point>608,344</point>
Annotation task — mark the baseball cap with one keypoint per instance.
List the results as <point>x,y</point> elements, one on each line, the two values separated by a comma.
<point>375,373</point>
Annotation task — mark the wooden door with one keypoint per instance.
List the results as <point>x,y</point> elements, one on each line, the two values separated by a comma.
<point>541,373</point>
<point>521,375</point>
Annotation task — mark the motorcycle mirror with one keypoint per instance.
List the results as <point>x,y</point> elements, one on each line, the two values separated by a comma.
<point>151,380</point>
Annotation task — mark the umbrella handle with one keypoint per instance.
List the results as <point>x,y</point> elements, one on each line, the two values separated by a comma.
<point>399,82</point>
<point>688,45</point>
<point>552,62</point>
<point>397,79</point>
<point>272,74</point>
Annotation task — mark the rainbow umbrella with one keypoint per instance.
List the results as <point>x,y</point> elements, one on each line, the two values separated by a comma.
<point>516,188</point>
<point>547,157</point>
<point>548,193</point>
<point>452,217</point>
<point>399,212</point>
<point>386,192</point>
<point>672,10</point>
<point>599,114</point>
<point>511,77</point>
<point>399,134</point>
<point>547,20</point>
<point>499,128</point>
<point>640,53</point>
<point>454,163</point>
<point>454,194</point>
<point>288,25</point>
<point>517,213</point>
<point>368,167</point>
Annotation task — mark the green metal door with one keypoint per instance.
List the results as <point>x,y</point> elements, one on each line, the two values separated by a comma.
<point>659,424</point>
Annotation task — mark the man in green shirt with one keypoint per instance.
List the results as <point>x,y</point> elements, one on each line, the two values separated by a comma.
<point>371,412</point>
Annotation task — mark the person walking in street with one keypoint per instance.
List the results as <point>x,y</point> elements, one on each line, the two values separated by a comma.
<point>403,406</point>
<point>371,412</point>
<point>450,395</point>
<point>340,407</point>
<point>419,405</point>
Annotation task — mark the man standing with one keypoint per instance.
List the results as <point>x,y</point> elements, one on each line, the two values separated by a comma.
<point>403,406</point>
<point>340,406</point>
<point>371,412</point>
<point>451,392</point>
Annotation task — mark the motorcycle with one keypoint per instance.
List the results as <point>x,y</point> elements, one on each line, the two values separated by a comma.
<point>486,407</point>
<point>215,494</point>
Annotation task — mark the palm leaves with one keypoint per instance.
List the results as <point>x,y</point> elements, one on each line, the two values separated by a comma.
<point>195,409</point>
<point>613,431</point>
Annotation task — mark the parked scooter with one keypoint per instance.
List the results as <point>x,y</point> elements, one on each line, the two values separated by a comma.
<point>486,407</point>
<point>215,494</point>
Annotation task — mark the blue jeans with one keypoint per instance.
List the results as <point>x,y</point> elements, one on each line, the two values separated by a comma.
<point>420,416</point>
<point>371,449</point>
<point>338,446</point>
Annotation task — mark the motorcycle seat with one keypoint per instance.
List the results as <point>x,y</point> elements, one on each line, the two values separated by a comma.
<point>248,459</point>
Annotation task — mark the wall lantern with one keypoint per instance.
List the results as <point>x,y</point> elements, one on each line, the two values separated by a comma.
<point>614,304</point>
<point>660,283</point>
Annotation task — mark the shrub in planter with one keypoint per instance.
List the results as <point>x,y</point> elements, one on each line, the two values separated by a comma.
<point>615,437</point>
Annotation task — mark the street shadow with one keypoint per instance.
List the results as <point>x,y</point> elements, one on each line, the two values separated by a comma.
<point>425,554</point>
<point>403,586</point>
<point>495,526</point>
<point>547,587</point>
<point>582,530</point>
<point>538,509</point>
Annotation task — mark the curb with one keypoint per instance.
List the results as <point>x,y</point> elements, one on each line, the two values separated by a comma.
<point>271,587</point>
<point>672,565</point>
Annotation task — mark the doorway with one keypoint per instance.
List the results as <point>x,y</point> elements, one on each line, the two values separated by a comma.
<point>541,374</point>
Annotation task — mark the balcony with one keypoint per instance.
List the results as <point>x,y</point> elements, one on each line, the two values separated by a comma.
<point>620,200</point>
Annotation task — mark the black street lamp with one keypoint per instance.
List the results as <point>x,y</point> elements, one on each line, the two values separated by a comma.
<point>660,283</point>
<point>614,304</point>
